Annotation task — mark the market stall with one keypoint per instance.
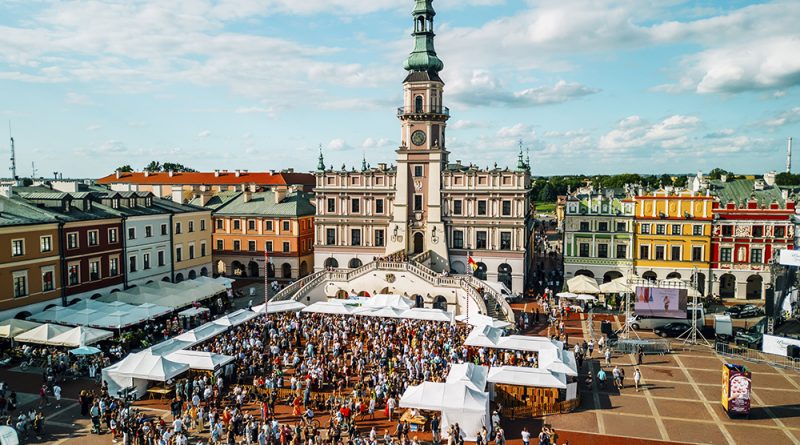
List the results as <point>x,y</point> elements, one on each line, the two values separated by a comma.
<point>12,327</point>
<point>458,402</point>
<point>42,335</point>
<point>80,336</point>
<point>275,307</point>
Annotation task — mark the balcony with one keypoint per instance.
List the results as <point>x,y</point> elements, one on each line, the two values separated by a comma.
<point>425,111</point>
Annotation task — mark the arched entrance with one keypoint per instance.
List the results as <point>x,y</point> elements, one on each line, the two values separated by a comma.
<point>700,283</point>
<point>504,275</point>
<point>192,274</point>
<point>204,272</point>
<point>238,269</point>
<point>458,267</point>
<point>286,270</point>
<point>253,269</point>
<point>727,286</point>
<point>754,283</point>
<point>419,242</point>
<point>673,276</point>
<point>480,272</point>
<point>364,293</point>
<point>611,275</point>
<point>178,277</point>
<point>418,301</point>
<point>303,268</point>
<point>221,267</point>
<point>650,276</point>
<point>331,263</point>
<point>584,272</point>
<point>354,263</point>
<point>270,270</point>
<point>440,302</point>
<point>342,294</point>
<point>96,296</point>
<point>22,315</point>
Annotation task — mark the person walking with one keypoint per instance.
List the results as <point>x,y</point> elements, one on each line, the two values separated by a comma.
<point>526,436</point>
<point>590,347</point>
<point>615,375</point>
<point>57,394</point>
<point>607,354</point>
<point>637,378</point>
<point>601,378</point>
<point>639,356</point>
<point>621,378</point>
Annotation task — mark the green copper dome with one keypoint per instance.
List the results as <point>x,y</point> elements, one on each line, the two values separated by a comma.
<point>423,57</point>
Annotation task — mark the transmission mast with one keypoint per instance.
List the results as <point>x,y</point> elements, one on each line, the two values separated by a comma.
<point>13,157</point>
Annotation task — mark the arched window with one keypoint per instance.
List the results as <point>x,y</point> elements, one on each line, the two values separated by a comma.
<point>418,104</point>
<point>286,270</point>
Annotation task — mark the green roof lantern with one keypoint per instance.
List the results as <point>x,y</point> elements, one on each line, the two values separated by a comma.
<point>320,160</point>
<point>423,57</point>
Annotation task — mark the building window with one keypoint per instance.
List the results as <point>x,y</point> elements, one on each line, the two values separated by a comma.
<point>251,224</point>
<point>621,227</point>
<point>725,254</point>
<point>457,207</point>
<point>505,240</point>
<point>74,274</point>
<point>191,226</point>
<point>480,239</point>
<point>379,242</point>
<point>286,247</point>
<point>148,231</point>
<point>660,252</point>
<point>584,226</point>
<point>178,254</point>
<point>675,254</point>
<point>660,229</point>
<point>161,258</point>
<point>237,225</point>
<point>676,229</point>
<point>697,253</point>
<point>756,256</point>
<point>112,236</point>
<point>178,229</point>
<point>164,230</point>
<point>331,205</point>
<point>202,225</point>
<point>379,206</point>
<point>645,229</point>
<point>220,244</point>
<point>780,232</point>
<point>727,230</point>
<point>458,239</point>
<point>758,231</point>
<point>72,240</point>
<point>93,236</point>
<point>697,230</point>
<point>146,259</point>
<point>583,250</point>
<point>330,237</point>
<point>622,251</point>
<point>602,250</point>
<point>113,267</point>
<point>203,249</point>
<point>482,208</point>
<point>20,284</point>
<point>268,246</point>
<point>602,226</point>
<point>17,247</point>
<point>355,205</point>
<point>220,224</point>
<point>131,233</point>
<point>45,243</point>
<point>355,237</point>
<point>94,270</point>
<point>48,279</point>
<point>132,264</point>
<point>644,252</point>
<point>418,171</point>
<point>191,251</point>
<point>237,245</point>
<point>251,246</point>
<point>269,226</point>
<point>506,208</point>
<point>286,226</point>
<point>417,203</point>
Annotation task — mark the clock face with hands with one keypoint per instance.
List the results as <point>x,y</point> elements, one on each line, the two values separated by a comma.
<point>418,137</point>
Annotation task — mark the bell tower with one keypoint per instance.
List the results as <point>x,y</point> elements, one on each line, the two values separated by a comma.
<point>417,219</point>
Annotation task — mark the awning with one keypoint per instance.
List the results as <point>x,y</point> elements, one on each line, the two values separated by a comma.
<point>42,335</point>
<point>144,365</point>
<point>327,307</point>
<point>454,397</point>
<point>522,376</point>
<point>193,312</point>
<point>80,336</point>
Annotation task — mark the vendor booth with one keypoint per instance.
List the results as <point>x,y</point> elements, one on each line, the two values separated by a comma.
<point>458,402</point>
<point>136,372</point>
<point>12,327</point>
<point>275,307</point>
<point>42,335</point>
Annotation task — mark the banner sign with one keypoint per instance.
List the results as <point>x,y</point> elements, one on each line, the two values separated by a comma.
<point>736,386</point>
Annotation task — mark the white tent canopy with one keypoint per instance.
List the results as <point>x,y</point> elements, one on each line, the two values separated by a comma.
<point>329,307</point>
<point>388,300</point>
<point>384,312</point>
<point>193,311</point>
<point>55,314</point>
<point>581,284</point>
<point>559,361</point>
<point>459,403</point>
<point>482,320</point>
<point>235,318</point>
<point>117,320</point>
<point>200,360</point>
<point>42,335</point>
<point>469,373</point>
<point>483,336</point>
<point>12,327</point>
<point>528,343</point>
<point>169,346</point>
<point>202,333</point>
<point>8,436</point>
<point>523,376</point>
<point>275,307</point>
<point>144,365</point>
<point>80,336</point>
<point>616,286</point>
<point>429,314</point>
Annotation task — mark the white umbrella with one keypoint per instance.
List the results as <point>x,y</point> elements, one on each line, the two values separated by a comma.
<point>585,297</point>
<point>85,350</point>
<point>12,327</point>
<point>582,284</point>
<point>616,286</point>
<point>567,295</point>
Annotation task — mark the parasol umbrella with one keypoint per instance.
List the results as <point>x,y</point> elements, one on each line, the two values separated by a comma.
<point>616,286</point>
<point>582,284</point>
<point>85,350</point>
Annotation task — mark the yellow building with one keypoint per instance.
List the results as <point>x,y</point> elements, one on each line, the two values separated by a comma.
<point>673,236</point>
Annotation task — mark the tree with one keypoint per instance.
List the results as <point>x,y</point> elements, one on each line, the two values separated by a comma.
<point>717,173</point>
<point>125,169</point>
<point>665,180</point>
<point>176,167</point>
<point>153,166</point>
<point>785,178</point>
<point>680,181</point>
<point>547,193</point>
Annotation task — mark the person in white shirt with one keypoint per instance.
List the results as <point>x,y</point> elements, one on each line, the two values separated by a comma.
<point>526,436</point>
<point>177,424</point>
<point>57,395</point>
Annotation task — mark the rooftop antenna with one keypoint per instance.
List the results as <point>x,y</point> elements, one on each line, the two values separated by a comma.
<point>788,157</point>
<point>33,169</point>
<point>13,157</point>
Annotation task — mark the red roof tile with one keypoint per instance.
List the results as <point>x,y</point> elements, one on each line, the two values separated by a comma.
<point>210,178</point>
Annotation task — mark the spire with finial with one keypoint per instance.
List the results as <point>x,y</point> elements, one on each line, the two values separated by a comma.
<point>528,156</point>
<point>364,162</point>
<point>520,161</point>
<point>321,161</point>
<point>423,57</point>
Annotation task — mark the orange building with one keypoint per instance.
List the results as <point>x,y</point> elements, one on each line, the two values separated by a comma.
<point>247,223</point>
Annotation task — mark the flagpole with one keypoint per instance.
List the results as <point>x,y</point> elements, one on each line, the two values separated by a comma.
<point>266,295</point>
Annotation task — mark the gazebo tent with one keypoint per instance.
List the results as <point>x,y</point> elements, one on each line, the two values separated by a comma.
<point>193,311</point>
<point>483,336</point>
<point>83,317</point>
<point>80,336</point>
<point>482,320</point>
<point>275,307</point>
<point>12,327</point>
<point>328,307</point>
<point>150,310</point>
<point>169,346</point>
<point>384,312</point>
<point>429,314</point>
<point>202,333</point>
<point>42,335</point>
<point>117,320</point>
<point>235,318</point>
<point>469,373</point>
<point>581,284</point>
<point>559,361</point>
<point>616,286</point>
<point>207,361</point>
<point>524,376</point>
<point>147,366</point>
<point>458,402</point>
<point>388,300</point>
<point>55,314</point>
<point>528,343</point>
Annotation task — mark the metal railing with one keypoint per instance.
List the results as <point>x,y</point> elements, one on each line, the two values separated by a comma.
<point>756,356</point>
<point>438,110</point>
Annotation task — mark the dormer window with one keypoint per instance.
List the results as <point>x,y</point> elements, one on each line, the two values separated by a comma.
<point>115,203</point>
<point>132,202</point>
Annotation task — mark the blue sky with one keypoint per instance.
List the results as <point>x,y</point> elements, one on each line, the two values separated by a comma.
<point>589,86</point>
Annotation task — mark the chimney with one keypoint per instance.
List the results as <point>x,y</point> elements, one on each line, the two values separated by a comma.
<point>216,173</point>
<point>204,198</point>
<point>238,172</point>
<point>118,173</point>
<point>247,196</point>
<point>147,173</point>
<point>171,173</point>
<point>6,190</point>
<point>253,188</point>
<point>272,172</point>
<point>279,194</point>
<point>177,194</point>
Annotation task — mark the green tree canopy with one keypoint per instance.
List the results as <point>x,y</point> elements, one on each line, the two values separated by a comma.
<point>125,169</point>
